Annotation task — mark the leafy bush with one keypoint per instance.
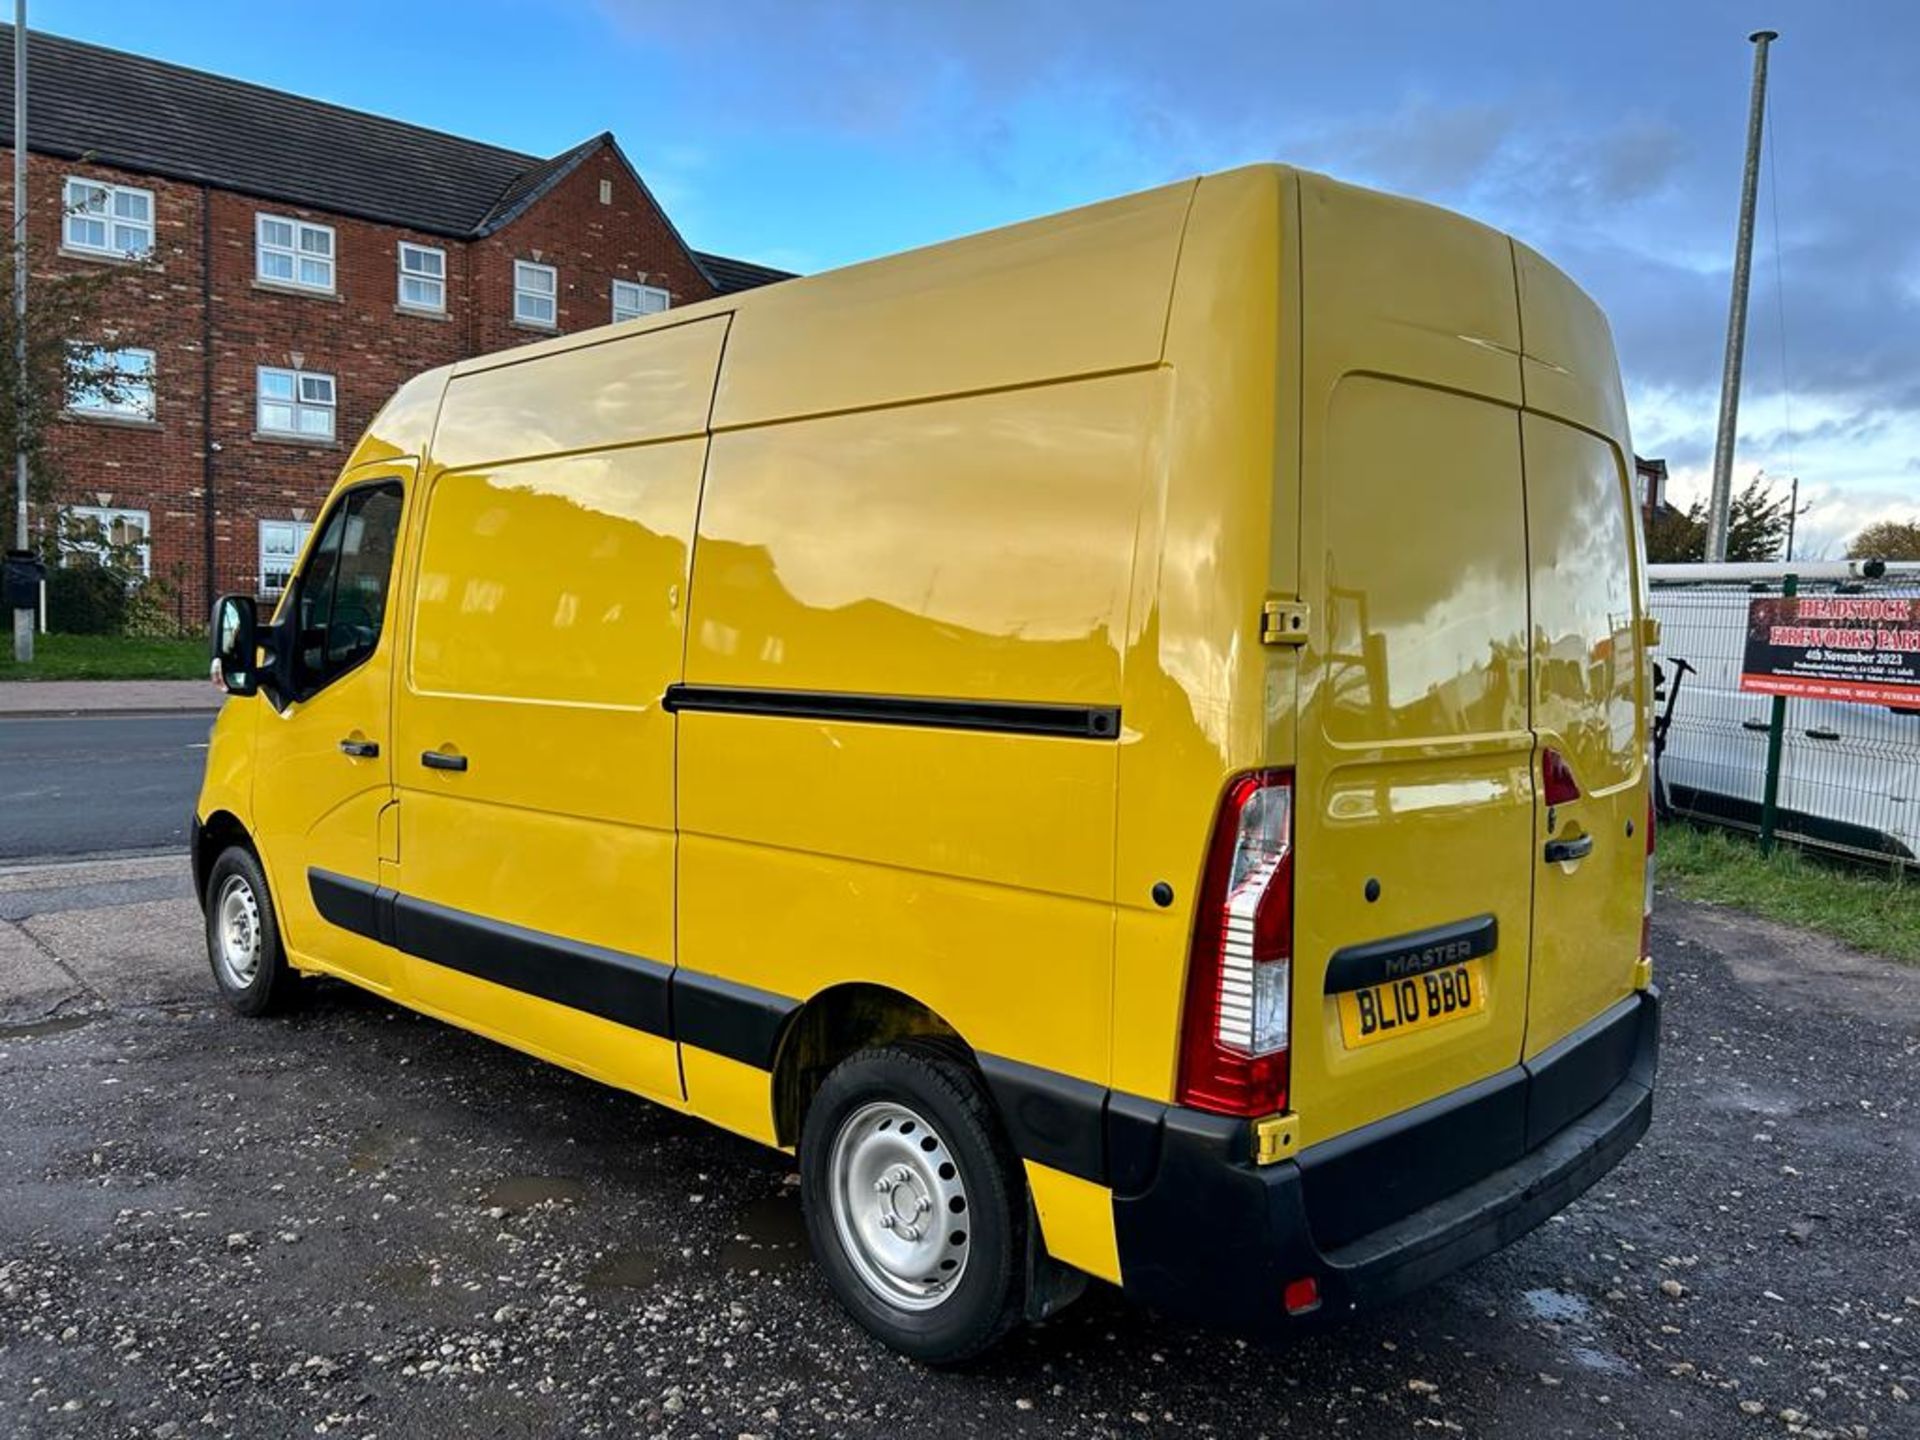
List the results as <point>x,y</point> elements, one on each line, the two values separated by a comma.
<point>86,600</point>
<point>153,612</point>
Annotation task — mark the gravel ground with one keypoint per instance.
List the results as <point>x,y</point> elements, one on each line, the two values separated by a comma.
<point>358,1222</point>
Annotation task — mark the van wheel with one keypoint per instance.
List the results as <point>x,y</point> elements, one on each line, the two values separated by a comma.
<point>915,1204</point>
<point>243,937</point>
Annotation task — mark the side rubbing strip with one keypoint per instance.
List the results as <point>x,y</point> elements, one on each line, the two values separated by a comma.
<point>1379,961</point>
<point>729,1019</point>
<point>1051,1118</point>
<point>1084,722</point>
<point>608,983</point>
<point>351,904</point>
<point>625,988</point>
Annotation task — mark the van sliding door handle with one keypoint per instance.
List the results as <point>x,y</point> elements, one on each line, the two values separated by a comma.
<point>1559,852</point>
<point>360,749</point>
<point>440,760</point>
<point>1823,734</point>
<point>1760,725</point>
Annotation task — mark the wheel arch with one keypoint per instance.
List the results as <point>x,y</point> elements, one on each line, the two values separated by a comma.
<point>219,831</point>
<point>832,1025</point>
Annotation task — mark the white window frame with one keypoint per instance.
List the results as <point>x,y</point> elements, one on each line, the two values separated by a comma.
<point>74,220</point>
<point>107,516</point>
<point>434,282</point>
<point>290,537</point>
<point>295,252</point>
<point>550,296</point>
<point>139,405</point>
<point>631,300</point>
<point>302,400</point>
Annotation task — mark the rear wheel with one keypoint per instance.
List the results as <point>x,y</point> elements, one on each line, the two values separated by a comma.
<point>243,937</point>
<point>914,1202</point>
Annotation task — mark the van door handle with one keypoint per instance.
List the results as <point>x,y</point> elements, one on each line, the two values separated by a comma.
<point>1559,852</point>
<point>1821,733</point>
<point>440,760</point>
<point>360,749</point>
<point>1761,725</point>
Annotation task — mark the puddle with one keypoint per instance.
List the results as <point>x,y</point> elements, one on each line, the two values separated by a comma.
<point>523,1192</point>
<point>370,1153</point>
<point>405,1277</point>
<point>769,1234</point>
<point>57,1026</point>
<point>1557,1306</point>
<point>1604,1361</point>
<point>624,1270</point>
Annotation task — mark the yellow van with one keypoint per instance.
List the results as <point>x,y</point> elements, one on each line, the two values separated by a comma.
<point>1119,742</point>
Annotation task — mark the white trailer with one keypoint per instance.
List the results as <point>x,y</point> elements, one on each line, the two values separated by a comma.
<point>1850,774</point>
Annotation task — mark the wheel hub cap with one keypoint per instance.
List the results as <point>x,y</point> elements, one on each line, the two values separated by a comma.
<point>899,1205</point>
<point>237,921</point>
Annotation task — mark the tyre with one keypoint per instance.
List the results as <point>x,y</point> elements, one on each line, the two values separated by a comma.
<point>243,937</point>
<point>915,1205</point>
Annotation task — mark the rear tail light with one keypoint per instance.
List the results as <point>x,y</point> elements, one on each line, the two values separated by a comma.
<point>1233,1045</point>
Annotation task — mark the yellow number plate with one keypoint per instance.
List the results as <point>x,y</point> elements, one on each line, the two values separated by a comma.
<point>1380,1012</point>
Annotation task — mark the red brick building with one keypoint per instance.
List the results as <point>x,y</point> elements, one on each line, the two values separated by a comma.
<point>288,264</point>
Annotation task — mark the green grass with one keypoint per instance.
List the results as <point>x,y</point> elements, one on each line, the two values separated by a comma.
<point>106,657</point>
<point>1867,909</point>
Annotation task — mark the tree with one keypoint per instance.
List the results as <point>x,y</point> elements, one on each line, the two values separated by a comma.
<point>1756,529</point>
<point>1887,540</point>
<point>70,339</point>
<point>1676,536</point>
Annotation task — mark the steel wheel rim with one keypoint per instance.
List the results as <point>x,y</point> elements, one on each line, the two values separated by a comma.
<point>899,1206</point>
<point>237,932</point>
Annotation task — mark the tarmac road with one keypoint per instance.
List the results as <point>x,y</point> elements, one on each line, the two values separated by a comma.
<point>358,1222</point>
<point>57,773</point>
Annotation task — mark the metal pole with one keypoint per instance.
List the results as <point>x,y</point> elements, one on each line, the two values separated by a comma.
<point>22,619</point>
<point>1793,516</point>
<point>1776,738</point>
<point>1721,500</point>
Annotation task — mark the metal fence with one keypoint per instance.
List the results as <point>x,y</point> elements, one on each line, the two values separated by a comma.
<point>1849,773</point>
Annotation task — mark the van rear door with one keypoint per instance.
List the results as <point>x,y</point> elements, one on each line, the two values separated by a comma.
<point>1415,769</point>
<point>1590,676</point>
<point>1587,715</point>
<point>1416,795</point>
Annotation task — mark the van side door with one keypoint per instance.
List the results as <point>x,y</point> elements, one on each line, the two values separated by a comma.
<point>534,758</point>
<point>321,754</point>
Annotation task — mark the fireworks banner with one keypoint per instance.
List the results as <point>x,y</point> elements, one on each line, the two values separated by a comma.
<point>1860,648</point>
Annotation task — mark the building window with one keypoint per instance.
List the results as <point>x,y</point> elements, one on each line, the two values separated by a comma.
<point>423,277</point>
<point>295,402</point>
<point>114,220</point>
<point>293,252</point>
<point>115,383</point>
<point>535,288</point>
<point>108,535</point>
<point>631,300</point>
<point>280,542</point>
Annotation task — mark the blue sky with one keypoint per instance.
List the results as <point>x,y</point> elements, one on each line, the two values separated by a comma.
<point>812,133</point>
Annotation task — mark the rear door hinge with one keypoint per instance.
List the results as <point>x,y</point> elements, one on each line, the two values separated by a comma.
<point>1283,622</point>
<point>1650,632</point>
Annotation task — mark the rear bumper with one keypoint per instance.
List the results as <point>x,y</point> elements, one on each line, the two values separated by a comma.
<point>1207,1235</point>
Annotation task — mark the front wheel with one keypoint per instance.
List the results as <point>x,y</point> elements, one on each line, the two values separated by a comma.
<point>243,937</point>
<point>915,1205</point>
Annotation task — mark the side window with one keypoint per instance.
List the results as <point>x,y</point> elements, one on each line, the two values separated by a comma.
<point>340,599</point>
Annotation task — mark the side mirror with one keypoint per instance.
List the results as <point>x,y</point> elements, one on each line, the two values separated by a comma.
<point>235,645</point>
